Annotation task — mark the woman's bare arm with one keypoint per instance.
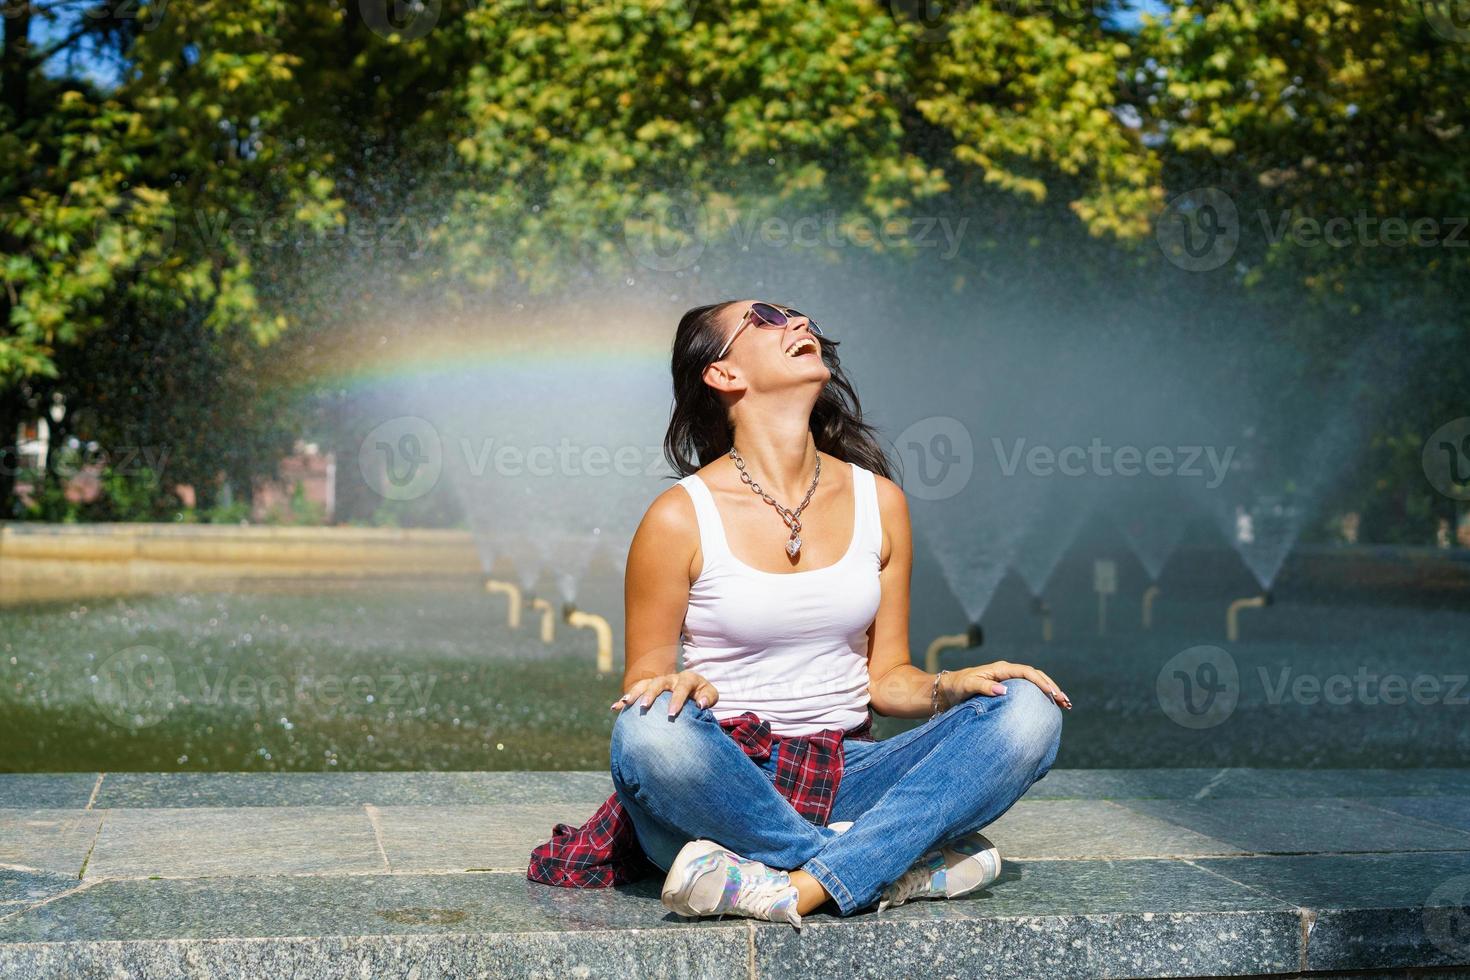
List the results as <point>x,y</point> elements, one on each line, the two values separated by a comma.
<point>655,598</point>
<point>896,688</point>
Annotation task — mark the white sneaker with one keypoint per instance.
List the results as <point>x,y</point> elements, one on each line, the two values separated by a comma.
<point>707,879</point>
<point>957,868</point>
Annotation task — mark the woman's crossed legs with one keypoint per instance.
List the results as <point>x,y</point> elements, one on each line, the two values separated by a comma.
<point>684,778</point>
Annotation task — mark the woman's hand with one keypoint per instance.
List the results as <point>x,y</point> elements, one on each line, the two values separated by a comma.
<point>986,679</point>
<point>685,684</point>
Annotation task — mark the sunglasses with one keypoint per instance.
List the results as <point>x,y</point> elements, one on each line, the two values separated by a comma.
<point>768,317</point>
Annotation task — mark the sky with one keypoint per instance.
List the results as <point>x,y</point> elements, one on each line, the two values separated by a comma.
<point>106,73</point>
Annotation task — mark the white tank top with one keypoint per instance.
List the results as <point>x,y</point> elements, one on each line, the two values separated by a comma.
<point>790,646</point>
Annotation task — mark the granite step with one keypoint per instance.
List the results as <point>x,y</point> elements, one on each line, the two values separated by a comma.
<point>1109,873</point>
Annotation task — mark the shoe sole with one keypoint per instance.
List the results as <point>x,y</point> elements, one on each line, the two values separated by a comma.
<point>689,888</point>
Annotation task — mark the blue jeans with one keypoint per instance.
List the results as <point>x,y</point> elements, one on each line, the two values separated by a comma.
<point>684,778</point>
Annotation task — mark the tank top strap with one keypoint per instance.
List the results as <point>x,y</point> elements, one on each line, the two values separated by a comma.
<point>866,487</point>
<point>712,543</point>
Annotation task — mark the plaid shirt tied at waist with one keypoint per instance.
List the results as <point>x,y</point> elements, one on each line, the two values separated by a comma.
<point>605,851</point>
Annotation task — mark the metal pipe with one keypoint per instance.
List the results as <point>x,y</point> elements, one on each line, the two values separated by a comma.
<point>972,637</point>
<point>1039,606</point>
<point>548,619</point>
<point>1149,595</point>
<point>512,593</point>
<point>578,619</point>
<point>1232,615</point>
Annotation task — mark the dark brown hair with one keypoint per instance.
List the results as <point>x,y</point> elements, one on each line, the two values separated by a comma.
<point>699,431</point>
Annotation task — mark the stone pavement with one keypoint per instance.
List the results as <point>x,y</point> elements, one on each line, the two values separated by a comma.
<point>1109,873</point>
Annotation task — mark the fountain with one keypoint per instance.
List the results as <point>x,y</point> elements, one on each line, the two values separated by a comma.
<point>1151,521</point>
<point>1067,509</point>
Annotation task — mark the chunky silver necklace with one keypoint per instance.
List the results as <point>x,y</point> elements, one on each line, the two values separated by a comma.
<point>791,517</point>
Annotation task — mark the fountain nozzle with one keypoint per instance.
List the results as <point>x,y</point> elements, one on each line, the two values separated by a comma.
<point>512,593</point>
<point>601,629</point>
<point>1149,595</point>
<point>971,637</point>
<point>1040,608</point>
<point>1232,614</point>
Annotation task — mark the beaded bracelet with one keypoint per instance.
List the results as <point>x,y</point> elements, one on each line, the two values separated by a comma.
<point>934,694</point>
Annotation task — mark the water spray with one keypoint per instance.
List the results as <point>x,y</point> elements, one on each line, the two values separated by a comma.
<point>512,593</point>
<point>972,637</point>
<point>600,627</point>
<point>1149,595</point>
<point>1232,615</point>
<point>548,619</point>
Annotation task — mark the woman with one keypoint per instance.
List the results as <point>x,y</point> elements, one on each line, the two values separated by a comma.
<point>799,615</point>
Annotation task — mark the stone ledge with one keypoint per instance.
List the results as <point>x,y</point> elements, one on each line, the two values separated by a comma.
<point>1109,873</point>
